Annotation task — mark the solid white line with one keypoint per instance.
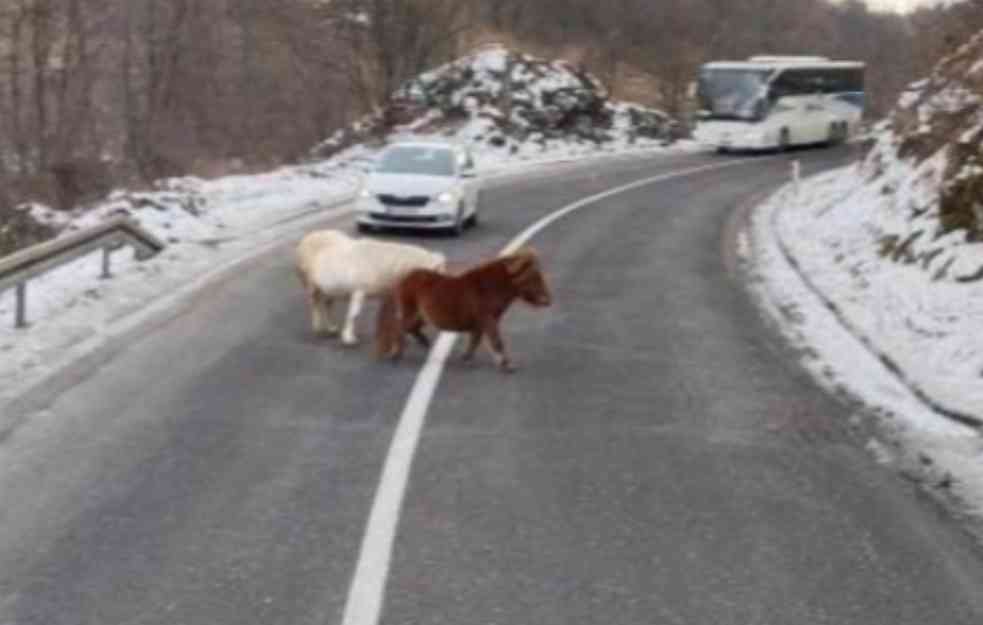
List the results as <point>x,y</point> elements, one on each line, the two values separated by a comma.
<point>367,590</point>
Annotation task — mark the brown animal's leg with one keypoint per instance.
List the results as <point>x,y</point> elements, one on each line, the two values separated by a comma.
<point>410,322</point>
<point>417,331</point>
<point>497,345</point>
<point>391,326</point>
<point>386,326</point>
<point>475,341</point>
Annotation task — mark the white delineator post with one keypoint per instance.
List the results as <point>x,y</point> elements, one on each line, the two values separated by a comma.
<point>796,176</point>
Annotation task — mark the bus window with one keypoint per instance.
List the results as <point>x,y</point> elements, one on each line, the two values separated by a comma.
<point>733,93</point>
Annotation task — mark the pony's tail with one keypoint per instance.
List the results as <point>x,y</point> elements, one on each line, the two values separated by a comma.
<point>386,323</point>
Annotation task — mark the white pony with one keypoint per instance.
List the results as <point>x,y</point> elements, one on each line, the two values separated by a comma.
<point>332,264</point>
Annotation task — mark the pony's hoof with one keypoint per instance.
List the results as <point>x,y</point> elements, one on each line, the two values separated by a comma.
<point>349,342</point>
<point>324,328</point>
<point>507,367</point>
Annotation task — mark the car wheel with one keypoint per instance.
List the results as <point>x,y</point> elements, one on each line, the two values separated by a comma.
<point>458,228</point>
<point>364,228</point>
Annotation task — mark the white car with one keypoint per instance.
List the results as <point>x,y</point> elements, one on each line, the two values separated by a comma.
<point>432,186</point>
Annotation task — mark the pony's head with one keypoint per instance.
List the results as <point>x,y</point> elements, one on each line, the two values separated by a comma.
<point>527,278</point>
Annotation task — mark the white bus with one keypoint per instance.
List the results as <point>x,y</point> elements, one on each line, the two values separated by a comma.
<point>774,102</point>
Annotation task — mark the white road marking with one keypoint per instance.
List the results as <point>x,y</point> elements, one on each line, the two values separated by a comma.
<point>367,590</point>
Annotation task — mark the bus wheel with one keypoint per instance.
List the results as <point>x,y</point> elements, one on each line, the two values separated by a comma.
<point>783,140</point>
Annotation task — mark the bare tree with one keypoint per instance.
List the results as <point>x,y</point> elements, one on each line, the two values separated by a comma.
<point>46,83</point>
<point>170,86</point>
<point>390,41</point>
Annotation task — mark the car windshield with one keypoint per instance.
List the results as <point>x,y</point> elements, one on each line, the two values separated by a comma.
<point>734,93</point>
<point>428,161</point>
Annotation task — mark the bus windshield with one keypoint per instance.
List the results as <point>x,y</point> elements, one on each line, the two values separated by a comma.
<point>737,93</point>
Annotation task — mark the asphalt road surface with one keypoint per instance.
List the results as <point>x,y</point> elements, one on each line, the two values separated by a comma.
<point>657,459</point>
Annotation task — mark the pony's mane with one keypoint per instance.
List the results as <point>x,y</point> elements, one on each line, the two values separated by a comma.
<point>524,255</point>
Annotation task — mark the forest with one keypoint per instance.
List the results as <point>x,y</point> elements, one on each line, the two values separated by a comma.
<point>101,93</point>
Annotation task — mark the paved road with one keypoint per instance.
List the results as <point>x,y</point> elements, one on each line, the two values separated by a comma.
<point>657,459</point>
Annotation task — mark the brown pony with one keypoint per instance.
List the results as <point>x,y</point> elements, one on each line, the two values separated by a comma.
<point>472,302</point>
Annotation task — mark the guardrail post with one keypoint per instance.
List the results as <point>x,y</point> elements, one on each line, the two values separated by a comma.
<point>17,269</point>
<point>20,313</point>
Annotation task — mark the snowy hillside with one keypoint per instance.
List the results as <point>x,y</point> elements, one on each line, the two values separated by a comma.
<point>928,162</point>
<point>893,249</point>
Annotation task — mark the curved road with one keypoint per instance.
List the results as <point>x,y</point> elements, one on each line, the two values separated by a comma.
<point>657,459</point>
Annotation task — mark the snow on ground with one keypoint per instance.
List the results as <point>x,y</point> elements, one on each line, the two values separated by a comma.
<point>851,311</point>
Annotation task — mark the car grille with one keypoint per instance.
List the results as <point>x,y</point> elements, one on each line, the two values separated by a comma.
<point>405,219</point>
<point>396,200</point>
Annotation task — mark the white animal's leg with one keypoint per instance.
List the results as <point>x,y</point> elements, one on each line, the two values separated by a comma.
<point>314,306</point>
<point>328,326</point>
<point>320,306</point>
<point>354,309</point>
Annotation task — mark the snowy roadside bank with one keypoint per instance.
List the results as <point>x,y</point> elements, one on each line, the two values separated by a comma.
<point>880,332</point>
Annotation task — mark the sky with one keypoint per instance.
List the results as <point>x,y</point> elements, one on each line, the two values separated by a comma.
<point>900,5</point>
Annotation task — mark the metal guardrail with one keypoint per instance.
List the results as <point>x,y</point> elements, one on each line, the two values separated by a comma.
<point>18,268</point>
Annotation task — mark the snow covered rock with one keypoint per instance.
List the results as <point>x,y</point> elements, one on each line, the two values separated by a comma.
<point>505,100</point>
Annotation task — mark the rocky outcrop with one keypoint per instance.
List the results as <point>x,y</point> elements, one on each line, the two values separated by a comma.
<point>937,128</point>
<point>504,99</point>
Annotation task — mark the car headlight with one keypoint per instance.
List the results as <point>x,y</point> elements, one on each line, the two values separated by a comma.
<point>364,194</point>
<point>447,197</point>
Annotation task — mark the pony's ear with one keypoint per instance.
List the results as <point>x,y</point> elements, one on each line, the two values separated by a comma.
<point>519,263</point>
<point>526,250</point>
<point>525,253</point>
